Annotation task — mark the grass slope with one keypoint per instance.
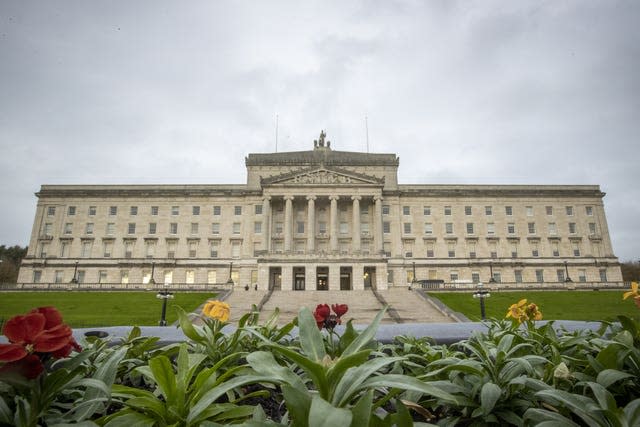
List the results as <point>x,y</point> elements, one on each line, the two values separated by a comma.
<point>567,305</point>
<point>87,309</point>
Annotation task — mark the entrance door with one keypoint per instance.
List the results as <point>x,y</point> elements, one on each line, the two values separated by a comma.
<point>298,279</point>
<point>345,278</point>
<point>369,277</point>
<point>322,278</point>
<point>275,278</point>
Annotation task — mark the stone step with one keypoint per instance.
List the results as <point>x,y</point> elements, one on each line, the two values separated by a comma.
<point>411,307</point>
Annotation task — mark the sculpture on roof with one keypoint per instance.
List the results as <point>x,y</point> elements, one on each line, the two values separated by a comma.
<point>317,143</point>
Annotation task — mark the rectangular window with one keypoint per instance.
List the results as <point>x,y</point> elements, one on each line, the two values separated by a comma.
<point>213,245</point>
<point>385,209</point>
<point>152,228</point>
<point>517,275</point>
<point>407,228</point>
<point>237,210</point>
<point>427,210</point>
<point>553,229</point>
<point>582,275</point>
<point>59,276</point>
<point>589,210</point>
<point>175,210</point>
<point>540,276</point>
<point>531,226</point>
<point>258,209</point>
<point>497,276</point>
<point>216,210</point>
<point>592,228</point>
<point>491,228</point>
<point>469,228</point>
<point>279,227</point>
<point>193,247</point>
<point>549,210</point>
<point>190,277</point>
<point>514,250</point>
<point>37,276</point>
<point>475,277</point>
<point>257,227</point>
<point>508,210</point>
<point>68,228</point>
<point>236,228</point>
<point>51,211</point>
<point>428,228</point>
<point>555,249</point>
<point>215,228</point>
<point>113,210</point>
<point>107,249</point>
<point>529,210</point>
<point>386,227</point>
<point>535,251</point>
<point>194,228</point>
<point>576,248</point>
<point>102,276</point>
<point>511,228</point>
<point>603,275</point>
<point>447,210</point>
<point>453,276</point>
<point>88,228</point>
<point>48,229</point>
<point>235,249</point>
<point>171,249</point>
<point>430,251</point>
<point>133,211</point>
<point>71,210</point>
<point>488,210</point>
<point>92,210</point>
<point>299,227</point>
<point>131,229</point>
<point>173,228</point>
<point>569,210</point>
<point>572,228</point>
<point>364,228</point>
<point>168,277</point>
<point>451,249</point>
<point>154,210</point>
<point>111,228</point>
<point>467,210</point>
<point>406,210</point>
<point>212,277</point>
<point>472,249</point>
<point>344,227</point>
<point>195,210</point>
<point>128,249</point>
<point>85,249</point>
<point>64,249</point>
<point>448,228</point>
<point>44,248</point>
<point>560,274</point>
<point>322,227</point>
<point>81,274</point>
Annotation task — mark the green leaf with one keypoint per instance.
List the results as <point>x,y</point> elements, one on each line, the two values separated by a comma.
<point>608,357</point>
<point>336,371</point>
<point>6,415</point>
<point>348,336</point>
<point>604,398</point>
<point>315,371</point>
<point>362,410</point>
<point>549,418</point>
<point>322,414</point>
<point>404,382</point>
<point>365,336</point>
<point>579,405</point>
<point>265,364</point>
<point>164,377</point>
<point>610,376</point>
<point>298,403</point>
<point>131,419</point>
<point>148,404</point>
<point>310,336</point>
<point>353,378</point>
<point>632,412</point>
<point>402,417</point>
<point>489,395</point>
<point>187,326</point>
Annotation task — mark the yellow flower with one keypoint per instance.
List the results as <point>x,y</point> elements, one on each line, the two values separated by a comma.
<point>533,313</point>
<point>517,310</point>
<point>217,310</point>
<point>633,292</point>
<point>521,312</point>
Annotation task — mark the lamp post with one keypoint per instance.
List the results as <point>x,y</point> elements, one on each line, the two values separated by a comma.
<point>153,268</point>
<point>482,293</point>
<point>414,275</point>
<point>230,281</point>
<point>566,270</point>
<point>164,295</point>
<point>75,274</point>
<point>491,279</point>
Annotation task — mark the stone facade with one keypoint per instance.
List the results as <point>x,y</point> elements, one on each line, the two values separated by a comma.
<point>320,219</point>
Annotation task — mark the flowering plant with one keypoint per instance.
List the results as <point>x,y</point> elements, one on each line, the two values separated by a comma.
<point>325,319</point>
<point>523,312</point>
<point>217,310</point>
<point>633,293</point>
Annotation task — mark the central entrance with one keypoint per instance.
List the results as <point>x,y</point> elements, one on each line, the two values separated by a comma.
<point>322,278</point>
<point>369,277</point>
<point>345,278</point>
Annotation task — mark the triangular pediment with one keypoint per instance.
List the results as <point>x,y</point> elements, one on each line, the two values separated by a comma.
<point>322,176</point>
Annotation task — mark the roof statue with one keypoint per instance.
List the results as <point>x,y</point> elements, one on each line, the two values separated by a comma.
<point>317,143</point>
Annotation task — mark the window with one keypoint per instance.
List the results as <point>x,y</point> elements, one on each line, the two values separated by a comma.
<point>133,211</point>
<point>88,228</point>
<point>560,274</point>
<point>102,276</point>
<point>535,251</point>
<point>113,210</point>
<point>236,228</point>
<point>235,249</point>
<point>386,227</point>
<point>51,211</point>
<point>175,210</point>
<point>257,227</point>
<point>131,229</point>
<point>472,249</point>
<point>406,210</point>
<point>493,249</point>
<point>80,278</point>
<point>572,228</point>
<point>152,228</point>
<point>279,227</point>
<point>344,227</point>
<point>448,228</point>
<point>427,210</point>
<point>237,210</point>
<point>215,228</point>
<point>194,228</point>
<point>407,228</point>
<point>385,209</point>
<point>576,248</point>
<point>589,210</point>
<point>592,228</point>
<point>48,228</point>
<point>168,277</point>
<point>469,228</point>
<point>451,249</point>
<point>216,210</point>
<point>453,276</point>
<point>467,210</point>
<point>531,226</point>
<point>190,277</point>
<point>68,228</point>
<point>488,210</point>
<point>64,249</point>
<point>517,275</point>
<point>555,249</point>
<point>475,277</point>
<point>322,227</point>
<point>44,248</point>
<point>71,210</point>
<point>85,249</point>
<point>497,276</point>
<point>154,210</point>
<point>193,247</point>
<point>428,228</point>
<point>128,249</point>
<point>258,209</point>
<point>603,275</point>
<point>299,227</point>
<point>107,249</point>
<point>59,276</point>
<point>212,277</point>
<point>514,249</point>
<point>213,245</point>
<point>173,228</point>
<point>111,228</point>
<point>511,228</point>
<point>569,210</point>
<point>92,210</point>
<point>540,276</point>
<point>529,210</point>
<point>195,210</point>
<point>549,210</point>
<point>582,275</point>
<point>37,276</point>
<point>171,249</point>
<point>447,210</point>
<point>364,228</point>
<point>553,229</point>
<point>508,210</point>
<point>491,228</point>
<point>146,276</point>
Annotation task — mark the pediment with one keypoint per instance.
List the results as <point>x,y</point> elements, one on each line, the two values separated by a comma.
<point>323,176</point>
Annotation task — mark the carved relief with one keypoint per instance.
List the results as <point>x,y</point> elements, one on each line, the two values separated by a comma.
<point>322,177</point>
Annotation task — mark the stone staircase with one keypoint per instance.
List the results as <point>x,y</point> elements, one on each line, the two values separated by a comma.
<point>411,307</point>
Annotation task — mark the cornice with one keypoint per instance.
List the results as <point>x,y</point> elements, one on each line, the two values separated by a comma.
<point>143,191</point>
<point>484,191</point>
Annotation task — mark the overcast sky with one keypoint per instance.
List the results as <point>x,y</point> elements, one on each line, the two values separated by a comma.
<point>503,92</point>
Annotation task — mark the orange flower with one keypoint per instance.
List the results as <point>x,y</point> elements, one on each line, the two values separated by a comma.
<point>217,310</point>
<point>521,312</point>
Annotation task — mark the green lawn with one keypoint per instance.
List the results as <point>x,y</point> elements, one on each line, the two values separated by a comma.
<point>567,305</point>
<point>87,309</point>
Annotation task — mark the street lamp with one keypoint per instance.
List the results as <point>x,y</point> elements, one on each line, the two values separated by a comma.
<point>414,275</point>
<point>152,280</point>
<point>482,293</point>
<point>491,279</point>
<point>164,295</point>
<point>230,281</point>
<point>566,270</point>
<point>75,274</point>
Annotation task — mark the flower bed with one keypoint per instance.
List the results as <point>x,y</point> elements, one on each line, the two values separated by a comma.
<point>518,371</point>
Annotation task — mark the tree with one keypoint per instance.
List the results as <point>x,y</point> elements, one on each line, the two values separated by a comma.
<point>630,271</point>
<point>11,258</point>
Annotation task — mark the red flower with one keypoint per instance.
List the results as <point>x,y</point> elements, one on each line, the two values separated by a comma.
<point>340,309</point>
<point>321,314</point>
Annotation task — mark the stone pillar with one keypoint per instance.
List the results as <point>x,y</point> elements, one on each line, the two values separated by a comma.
<point>288,208</point>
<point>334,277</point>
<point>357,279</point>
<point>266,223</point>
<point>311,224</point>
<point>333,230</point>
<point>377,225</point>
<point>287,278</point>
<point>310,277</point>
<point>355,234</point>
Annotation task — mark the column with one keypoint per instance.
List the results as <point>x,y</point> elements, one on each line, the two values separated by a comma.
<point>287,223</point>
<point>266,223</point>
<point>311,225</point>
<point>377,225</point>
<point>355,234</point>
<point>333,236</point>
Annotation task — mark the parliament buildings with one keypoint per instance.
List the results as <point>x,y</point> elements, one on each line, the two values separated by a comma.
<point>320,219</point>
